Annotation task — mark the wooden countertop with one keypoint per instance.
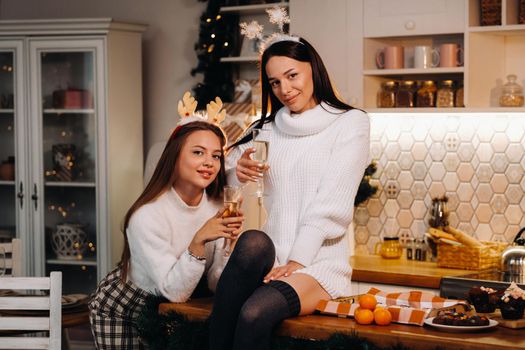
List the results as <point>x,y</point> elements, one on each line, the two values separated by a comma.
<point>413,337</point>
<point>410,273</point>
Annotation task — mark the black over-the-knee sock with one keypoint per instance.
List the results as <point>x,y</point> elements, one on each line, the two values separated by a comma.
<point>267,306</point>
<point>252,258</point>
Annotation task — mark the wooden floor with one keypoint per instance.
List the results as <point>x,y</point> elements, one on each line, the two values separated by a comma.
<point>413,337</point>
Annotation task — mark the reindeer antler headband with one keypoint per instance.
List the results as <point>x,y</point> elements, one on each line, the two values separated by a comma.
<point>187,106</point>
<point>254,30</point>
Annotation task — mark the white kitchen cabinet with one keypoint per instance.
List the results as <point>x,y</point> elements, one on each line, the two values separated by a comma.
<point>490,52</point>
<point>412,17</point>
<point>71,115</point>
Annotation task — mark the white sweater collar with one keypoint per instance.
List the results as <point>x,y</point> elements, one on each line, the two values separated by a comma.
<point>309,122</point>
<point>174,196</point>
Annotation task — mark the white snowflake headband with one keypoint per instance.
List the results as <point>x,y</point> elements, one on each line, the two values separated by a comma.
<point>254,30</point>
<point>186,109</point>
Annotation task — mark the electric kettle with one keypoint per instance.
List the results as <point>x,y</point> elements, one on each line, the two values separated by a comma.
<point>513,257</point>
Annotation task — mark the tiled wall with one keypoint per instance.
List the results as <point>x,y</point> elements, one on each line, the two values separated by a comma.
<point>477,160</point>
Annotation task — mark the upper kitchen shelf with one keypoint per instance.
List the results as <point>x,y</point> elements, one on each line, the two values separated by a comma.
<point>251,9</point>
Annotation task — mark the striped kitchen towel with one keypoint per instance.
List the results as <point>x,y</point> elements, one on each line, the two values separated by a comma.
<point>406,308</point>
<point>415,298</point>
<point>400,314</point>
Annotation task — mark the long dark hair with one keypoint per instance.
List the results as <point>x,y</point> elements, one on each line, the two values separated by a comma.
<point>164,177</point>
<point>323,90</point>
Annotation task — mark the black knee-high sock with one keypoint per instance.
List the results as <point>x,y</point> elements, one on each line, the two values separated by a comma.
<point>259,315</point>
<point>251,260</point>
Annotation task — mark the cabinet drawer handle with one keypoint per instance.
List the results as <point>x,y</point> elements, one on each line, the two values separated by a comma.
<point>410,25</point>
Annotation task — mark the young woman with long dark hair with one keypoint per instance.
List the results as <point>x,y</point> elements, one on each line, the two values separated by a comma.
<point>172,235</point>
<point>318,151</point>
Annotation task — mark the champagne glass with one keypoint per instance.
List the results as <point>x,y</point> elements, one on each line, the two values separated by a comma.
<point>232,195</point>
<point>261,143</point>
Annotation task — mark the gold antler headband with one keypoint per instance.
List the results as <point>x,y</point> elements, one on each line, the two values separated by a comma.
<point>188,105</point>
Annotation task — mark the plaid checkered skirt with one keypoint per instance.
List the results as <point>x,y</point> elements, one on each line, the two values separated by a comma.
<point>113,310</point>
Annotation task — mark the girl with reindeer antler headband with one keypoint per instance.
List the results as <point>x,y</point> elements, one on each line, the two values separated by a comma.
<point>318,151</point>
<point>173,232</point>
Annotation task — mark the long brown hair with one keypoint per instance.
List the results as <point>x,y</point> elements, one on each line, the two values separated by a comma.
<point>301,51</point>
<point>164,177</point>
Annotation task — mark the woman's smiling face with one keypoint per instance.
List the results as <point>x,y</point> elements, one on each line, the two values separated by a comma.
<point>199,160</point>
<point>291,82</point>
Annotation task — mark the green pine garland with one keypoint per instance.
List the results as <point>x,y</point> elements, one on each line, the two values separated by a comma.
<point>174,331</point>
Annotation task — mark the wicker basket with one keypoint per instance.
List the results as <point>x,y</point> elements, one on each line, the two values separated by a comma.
<point>521,18</point>
<point>490,11</point>
<point>469,258</point>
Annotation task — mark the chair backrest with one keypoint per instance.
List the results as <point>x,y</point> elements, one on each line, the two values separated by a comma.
<point>11,258</point>
<point>16,315</point>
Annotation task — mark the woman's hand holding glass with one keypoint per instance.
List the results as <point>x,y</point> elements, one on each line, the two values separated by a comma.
<point>248,169</point>
<point>215,228</point>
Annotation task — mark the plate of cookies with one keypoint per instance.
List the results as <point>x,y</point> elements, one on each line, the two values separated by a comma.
<point>452,321</point>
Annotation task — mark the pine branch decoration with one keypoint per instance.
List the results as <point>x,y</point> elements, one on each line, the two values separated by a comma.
<point>366,190</point>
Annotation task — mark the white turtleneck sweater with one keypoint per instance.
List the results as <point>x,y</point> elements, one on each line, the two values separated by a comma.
<point>159,234</point>
<point>317,160</point>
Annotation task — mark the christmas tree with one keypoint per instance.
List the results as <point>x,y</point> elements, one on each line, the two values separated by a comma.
<point>218,37</point>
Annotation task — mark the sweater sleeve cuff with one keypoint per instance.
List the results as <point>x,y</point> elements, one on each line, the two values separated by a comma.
<point>194,259</point>
<point>306,245</point>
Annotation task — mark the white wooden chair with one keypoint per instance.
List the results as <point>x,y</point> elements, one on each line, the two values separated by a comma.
<point>51,323</point>
<point>11,258</point>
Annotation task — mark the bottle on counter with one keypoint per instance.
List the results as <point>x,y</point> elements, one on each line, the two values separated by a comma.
<point>386,96</point>
<point>421,250</point>
<point>410,249</point>
<point>512,93</point>
<point>426,95</point>
<point>445,94</point>
<point>405,96</point>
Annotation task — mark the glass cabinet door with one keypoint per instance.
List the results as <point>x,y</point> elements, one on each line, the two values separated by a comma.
<point>7,147</point>
<point>13,141</point>
<point>67,161</point>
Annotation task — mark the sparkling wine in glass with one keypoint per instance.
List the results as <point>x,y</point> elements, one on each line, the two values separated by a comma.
<point>232,196</point>
<point>261,143</point>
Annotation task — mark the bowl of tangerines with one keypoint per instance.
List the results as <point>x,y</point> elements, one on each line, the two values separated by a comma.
<point>369,312</point>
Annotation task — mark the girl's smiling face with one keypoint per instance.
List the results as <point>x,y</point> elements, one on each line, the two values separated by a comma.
<point>199,160</point>
<point>291,82</point>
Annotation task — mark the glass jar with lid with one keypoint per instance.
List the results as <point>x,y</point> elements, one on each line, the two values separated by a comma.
<point>426,94</point>
<point>390,248</point>
<point>445,94</point>
<point>512,94</point>
<point>405,94</point>
<point>386,97</point>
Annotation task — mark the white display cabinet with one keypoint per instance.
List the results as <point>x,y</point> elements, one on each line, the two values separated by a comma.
<point>71,116</point>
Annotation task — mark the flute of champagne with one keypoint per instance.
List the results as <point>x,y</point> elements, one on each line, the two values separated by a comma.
<point>231,197</point>
<point>261,144</point>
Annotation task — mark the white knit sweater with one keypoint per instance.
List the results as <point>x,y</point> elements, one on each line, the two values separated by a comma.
<point>317,160</point>
<point>159,234</point>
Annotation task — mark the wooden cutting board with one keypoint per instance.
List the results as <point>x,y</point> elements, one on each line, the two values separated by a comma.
<point>510,323</point>
<point>496,316</point>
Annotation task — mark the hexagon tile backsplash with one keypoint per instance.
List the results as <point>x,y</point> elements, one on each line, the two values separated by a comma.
<point>477,160</point>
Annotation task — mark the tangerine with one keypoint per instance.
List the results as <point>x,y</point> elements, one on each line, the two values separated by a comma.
<point>364,316</point>
<point>367,301</point>
<point>382,316</point>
